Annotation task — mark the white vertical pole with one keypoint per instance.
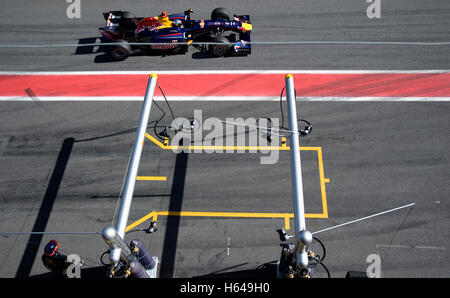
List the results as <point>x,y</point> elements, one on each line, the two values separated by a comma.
<point>127,196</point>
<point>303,236</point>
<point>297,182</point>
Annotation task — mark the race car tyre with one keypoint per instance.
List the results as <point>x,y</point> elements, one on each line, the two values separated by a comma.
<point>221,13</point>
<point>179,50</point>
<point>121,51</point>
<point>221,48</point>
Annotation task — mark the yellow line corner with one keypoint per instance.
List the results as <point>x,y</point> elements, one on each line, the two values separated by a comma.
<point>285,216</point>
<point>151,178</point>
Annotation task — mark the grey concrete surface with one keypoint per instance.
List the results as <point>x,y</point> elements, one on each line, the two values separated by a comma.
<point>377,156</point>
<point>46,22</point>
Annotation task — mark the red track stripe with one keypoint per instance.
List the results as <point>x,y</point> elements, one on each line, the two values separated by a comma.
<point>204,85</point>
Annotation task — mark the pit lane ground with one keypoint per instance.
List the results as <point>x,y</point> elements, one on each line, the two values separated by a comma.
<point>377,155</point>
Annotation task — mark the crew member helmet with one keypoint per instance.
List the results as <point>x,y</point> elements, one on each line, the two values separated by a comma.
<point>51,248</point>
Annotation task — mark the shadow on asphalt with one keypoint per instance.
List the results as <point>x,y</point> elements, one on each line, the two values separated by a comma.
<point>265,271</point>
<point>94,272</point>
<point>173,222</point>
<point>103,56</point>
<point>34,242</point>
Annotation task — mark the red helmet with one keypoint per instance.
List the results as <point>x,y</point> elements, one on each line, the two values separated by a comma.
<point>164,14</point>
<point>51,248</point>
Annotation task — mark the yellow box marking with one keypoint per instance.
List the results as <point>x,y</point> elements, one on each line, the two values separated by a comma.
<point>322,183</point>
<point>223,148</point>
<point>143,219</point>
<point>283,147</point>
<point>154,215</point>
<point>151,178</point>
<point>285,216</point>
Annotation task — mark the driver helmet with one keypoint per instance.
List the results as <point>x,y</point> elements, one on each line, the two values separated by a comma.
<point>177,23</point>
<point>51,248</point>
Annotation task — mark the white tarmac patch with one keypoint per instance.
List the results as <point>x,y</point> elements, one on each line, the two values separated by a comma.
<point>221,98</point>
<point>163,72</point>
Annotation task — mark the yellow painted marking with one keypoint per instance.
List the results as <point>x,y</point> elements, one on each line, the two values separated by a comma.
<point>151,178</point>
<point>283,147</point>
<point>322,183</point>
<point>286,223</point>
<point>285,216</point>
<point>151,138</point>
<point>138,222</point>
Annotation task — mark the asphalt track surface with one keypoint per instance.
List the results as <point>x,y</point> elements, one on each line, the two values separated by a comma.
<point>46,22</point>
<point>376,155</point>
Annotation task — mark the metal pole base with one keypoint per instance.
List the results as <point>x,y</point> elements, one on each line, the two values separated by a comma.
<point>154,271</point>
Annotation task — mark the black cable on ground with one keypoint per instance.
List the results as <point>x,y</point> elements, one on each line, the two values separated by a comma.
<point>268,132</point>
<point>326,269</point>
<point>164,135</point>
<point>101,258</point>
<point>164,132</point>
<point>319,259</point>
<point>167,102</point>
<point>323,247</point>
<point>303,132</point>
<point>262,266</point>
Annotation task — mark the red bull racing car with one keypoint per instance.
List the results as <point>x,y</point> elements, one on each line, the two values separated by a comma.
<point>224,34</point>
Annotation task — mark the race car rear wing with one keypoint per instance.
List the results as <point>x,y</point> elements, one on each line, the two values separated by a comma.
<point>118,14</point>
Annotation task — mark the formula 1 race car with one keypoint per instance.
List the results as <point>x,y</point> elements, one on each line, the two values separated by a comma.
<point>176,32</point>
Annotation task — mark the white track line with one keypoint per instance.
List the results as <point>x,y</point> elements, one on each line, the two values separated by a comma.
<point>188,72</point>
<point>221,98</point>
<point>48,233</point>
<point>364,218</point>
<point>411,246</point>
